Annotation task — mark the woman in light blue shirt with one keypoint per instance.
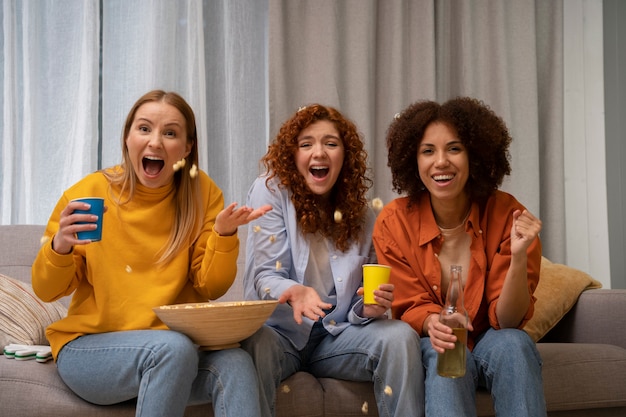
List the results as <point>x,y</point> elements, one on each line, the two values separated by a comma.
<point>308,253</point>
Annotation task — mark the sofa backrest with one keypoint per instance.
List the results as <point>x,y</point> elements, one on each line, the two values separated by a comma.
<point>19,245</point>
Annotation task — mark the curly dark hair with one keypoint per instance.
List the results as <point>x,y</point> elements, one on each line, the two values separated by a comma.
<point>348,195</point>
<point>483,133</point>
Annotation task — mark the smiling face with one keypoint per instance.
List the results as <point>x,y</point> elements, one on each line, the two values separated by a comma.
<point>319,157</point>
<point>157,139</point>
<point>443,165</point>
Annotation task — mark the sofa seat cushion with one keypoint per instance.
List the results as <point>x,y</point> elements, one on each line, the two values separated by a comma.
<point>30,388</point>
<point>300,395</point>
<point>348,398</point>
<point>583,376</point>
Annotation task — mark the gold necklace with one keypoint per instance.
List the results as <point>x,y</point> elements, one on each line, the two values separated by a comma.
<point>451,230</point>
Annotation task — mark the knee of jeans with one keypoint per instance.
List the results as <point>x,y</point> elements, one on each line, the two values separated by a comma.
<point>515,342</point>
<point>179,345</point>
<point>262,344</point>
<point>395,331</point>
<point>513,339</point>
<point>402,333</point>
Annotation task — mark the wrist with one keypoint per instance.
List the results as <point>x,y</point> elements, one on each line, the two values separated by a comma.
<point>222,233</point>
<point>57,249</point>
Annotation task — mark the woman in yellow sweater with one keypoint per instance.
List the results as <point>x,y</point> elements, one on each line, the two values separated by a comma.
<point>166,239</point>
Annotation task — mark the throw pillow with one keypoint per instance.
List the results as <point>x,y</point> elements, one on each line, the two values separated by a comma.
<point>23,316</point>
<point>558,290</point>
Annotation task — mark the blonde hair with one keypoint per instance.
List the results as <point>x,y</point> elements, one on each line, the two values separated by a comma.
<point>187,219</point>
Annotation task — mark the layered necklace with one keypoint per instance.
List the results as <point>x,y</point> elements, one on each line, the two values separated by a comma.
<point>456,229</point>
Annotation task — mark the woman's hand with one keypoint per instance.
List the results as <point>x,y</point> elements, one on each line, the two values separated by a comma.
<point>383,296</point>
<point>305,302</point>
<point>525,229</point>
<point>441,336</point>
<point>65,238</point>
<point>229,219</point>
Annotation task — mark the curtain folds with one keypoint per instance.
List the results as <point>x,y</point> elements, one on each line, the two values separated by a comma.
<point>372,58</point>
<point>49,120</point>
<point>70,72</point>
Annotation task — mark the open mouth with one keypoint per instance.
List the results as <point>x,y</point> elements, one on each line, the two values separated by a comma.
<point>152,165</point>
<point>319,172</point>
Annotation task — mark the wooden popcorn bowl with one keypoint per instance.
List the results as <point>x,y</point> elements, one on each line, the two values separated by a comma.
<point>217,325</point>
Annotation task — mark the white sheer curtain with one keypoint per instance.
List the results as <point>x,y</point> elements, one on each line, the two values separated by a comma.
<point>73,69</point>
<point>70,70</point>
<point>49,103</point>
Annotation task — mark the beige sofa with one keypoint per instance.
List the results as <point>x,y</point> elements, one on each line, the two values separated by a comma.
<point>584,363</point>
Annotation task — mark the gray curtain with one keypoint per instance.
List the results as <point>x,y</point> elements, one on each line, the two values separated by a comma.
<point>69,72</point>
<point>372,58</point>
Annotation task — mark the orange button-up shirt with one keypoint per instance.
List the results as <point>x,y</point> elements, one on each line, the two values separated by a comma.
<point>407,238</point>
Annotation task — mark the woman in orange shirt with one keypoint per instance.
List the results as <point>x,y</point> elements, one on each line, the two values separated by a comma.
<point>449,161</point>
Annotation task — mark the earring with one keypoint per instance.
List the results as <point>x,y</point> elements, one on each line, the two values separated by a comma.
<point>180,164</point>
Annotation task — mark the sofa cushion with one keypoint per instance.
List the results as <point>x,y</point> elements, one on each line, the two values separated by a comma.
<point>348,398</point>
<point>39,386</point>
<point>583,375</point>
<point>558,289</point>
<point>300,395</point>
<point>23,316</point>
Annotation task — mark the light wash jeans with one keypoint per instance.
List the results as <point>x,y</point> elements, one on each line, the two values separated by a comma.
<point>385,352</point>
<point>505,362</point>
<point>163,369</point>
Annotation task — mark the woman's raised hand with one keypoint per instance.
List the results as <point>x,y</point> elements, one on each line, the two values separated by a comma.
<point>229,219</point>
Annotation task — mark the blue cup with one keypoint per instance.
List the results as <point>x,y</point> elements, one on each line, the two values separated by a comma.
<point>97,208</point>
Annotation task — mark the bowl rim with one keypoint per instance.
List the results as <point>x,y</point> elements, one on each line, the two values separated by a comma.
<point>213,304</point>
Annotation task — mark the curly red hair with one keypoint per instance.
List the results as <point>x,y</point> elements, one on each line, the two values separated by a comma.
<point>348,195</point>
<point>483,133</point>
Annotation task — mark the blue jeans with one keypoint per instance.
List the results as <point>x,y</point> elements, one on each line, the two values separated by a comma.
<point>385,352</point>
<point>505,362</point>
<point>163,370</point>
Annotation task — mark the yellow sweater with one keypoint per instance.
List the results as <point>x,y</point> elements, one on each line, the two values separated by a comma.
<point>116,281</point>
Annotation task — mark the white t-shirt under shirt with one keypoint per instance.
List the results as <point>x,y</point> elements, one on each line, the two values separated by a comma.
<point>319,274</point>
<point>455,250</point>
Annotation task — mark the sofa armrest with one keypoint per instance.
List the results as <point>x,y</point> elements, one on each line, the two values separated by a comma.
<point>599,316</point>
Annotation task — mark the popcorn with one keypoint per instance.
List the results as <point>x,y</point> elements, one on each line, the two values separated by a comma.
<point>179,164</point>
<point>286,389</point>
<point>128,269</point>
<point>267,290</point>
<point>256,229</point>
<point>44,240</point>
<point>364,408</point>
<point>278,265</point>
<point>377,204</point>
<point>338,216</point>
<point>388,390</point>
<point>193,172</point>
<point>272,238</point>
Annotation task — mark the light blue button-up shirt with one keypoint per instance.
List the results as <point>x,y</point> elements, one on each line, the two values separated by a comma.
<point>277,254</point>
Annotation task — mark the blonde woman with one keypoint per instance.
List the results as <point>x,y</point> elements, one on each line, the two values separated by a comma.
<point>166,239</point>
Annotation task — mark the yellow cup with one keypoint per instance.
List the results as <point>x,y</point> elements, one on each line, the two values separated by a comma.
<point>373,276</point>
